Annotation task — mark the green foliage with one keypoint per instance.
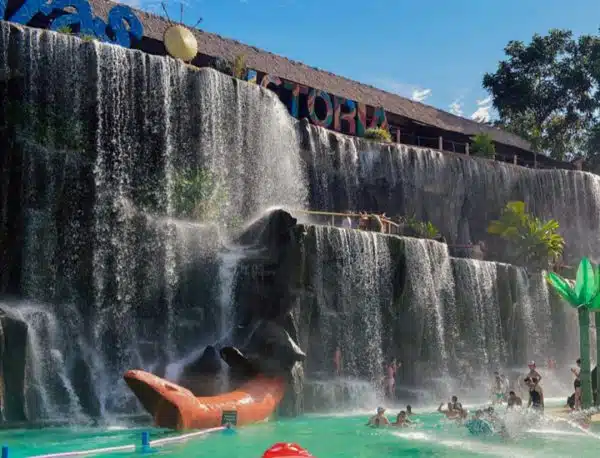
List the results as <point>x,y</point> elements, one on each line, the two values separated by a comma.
<point>86,37</point>
<point>199,195</point>
<point>239,66</point>
<point>423,229</point>
<point>379,134</point>
<point>534,242</point>
<point>65,29</point>
<point>547,92</point>
<point>483,145</point>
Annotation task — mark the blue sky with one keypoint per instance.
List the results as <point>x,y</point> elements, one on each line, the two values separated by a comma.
<point>432,51</point>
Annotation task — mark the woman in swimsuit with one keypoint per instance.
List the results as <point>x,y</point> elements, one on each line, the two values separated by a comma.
<point>390,379</point>
<point>577,384</point>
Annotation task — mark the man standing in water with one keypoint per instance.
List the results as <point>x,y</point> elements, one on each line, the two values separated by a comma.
<point>533,373</point>
<point>577,383</point>
<point>536,394</point>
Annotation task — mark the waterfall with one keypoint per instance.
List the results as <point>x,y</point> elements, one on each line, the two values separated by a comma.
<point>352,280</point>
<point>110,278</point>
<point>452,322</point>
<point>102,133</point>
<point>482,341</point>
<point>533,302</point>
<point>430,295</point>
<point>52,353</point>
<point>458,194</point>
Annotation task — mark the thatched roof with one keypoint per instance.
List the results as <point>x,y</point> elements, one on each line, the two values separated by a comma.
<point>216,46</point>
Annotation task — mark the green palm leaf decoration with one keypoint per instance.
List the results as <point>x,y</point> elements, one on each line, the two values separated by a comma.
<point>585,297</point>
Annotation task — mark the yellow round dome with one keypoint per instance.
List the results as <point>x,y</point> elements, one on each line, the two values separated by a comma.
<point>180,43</point>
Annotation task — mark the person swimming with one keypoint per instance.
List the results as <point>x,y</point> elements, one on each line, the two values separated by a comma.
<point>456,405</point>
<point>409,411</point>
<point>379,419</point>
<point>402,420</point>
<point>513,400</point>
<point>451,413</point>
<point>478,426</point>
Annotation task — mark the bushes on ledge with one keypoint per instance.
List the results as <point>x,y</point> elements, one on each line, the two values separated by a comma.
<point>532,242</point>
<point>379,134</point>
<point>483,145</point>
<point>236,67</point>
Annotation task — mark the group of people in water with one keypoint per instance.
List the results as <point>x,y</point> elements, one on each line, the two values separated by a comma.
<point>402,419</point>
<point>502,391</point>
<point>483,421</point>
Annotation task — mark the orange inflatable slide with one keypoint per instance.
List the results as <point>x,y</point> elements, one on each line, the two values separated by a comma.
<point>175,407</point>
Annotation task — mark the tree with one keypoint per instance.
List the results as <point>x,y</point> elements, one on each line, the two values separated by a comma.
<point>533,242</point>
<point>546,91</point>
<point>483,145</point>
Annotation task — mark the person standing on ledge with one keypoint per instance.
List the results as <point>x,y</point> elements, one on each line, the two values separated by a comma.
<point>347,221</point>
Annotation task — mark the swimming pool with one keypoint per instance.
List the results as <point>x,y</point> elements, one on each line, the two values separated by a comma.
<point>325,437</point>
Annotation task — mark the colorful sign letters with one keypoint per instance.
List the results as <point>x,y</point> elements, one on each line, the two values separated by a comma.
<point>346,116</point>
<point>122,24</point>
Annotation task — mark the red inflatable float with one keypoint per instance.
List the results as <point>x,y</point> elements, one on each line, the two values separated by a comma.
<point>286,450</point>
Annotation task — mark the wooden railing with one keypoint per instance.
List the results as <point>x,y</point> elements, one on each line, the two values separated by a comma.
<point>390,227</point>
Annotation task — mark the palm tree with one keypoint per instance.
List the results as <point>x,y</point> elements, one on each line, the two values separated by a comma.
<point>585,297</point>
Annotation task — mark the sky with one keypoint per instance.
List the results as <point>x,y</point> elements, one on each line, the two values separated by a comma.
<point>435,52</point>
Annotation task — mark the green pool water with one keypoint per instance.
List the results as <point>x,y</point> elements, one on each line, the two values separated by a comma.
<point>325,437</point>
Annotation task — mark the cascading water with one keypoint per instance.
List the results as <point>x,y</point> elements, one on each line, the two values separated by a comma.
<point>104,134</point>
<point>458,194</point>
<point>351,314</point>
<point>430,293</point>
<point>533,303</point>
<point>352,283</point>
<point>50,392</point>
<point>452,321</point>
<point>482,341</point>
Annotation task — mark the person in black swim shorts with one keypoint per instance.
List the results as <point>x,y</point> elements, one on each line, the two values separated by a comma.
<point>536,394</point>
<point>577,384</point>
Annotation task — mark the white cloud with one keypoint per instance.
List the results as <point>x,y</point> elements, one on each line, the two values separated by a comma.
<point>410,91</point>
<point>484,107</point>
<point>456,107</point>
<point>420,95</point>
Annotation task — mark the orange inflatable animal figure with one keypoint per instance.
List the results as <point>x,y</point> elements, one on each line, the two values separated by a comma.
<point>175,407</point>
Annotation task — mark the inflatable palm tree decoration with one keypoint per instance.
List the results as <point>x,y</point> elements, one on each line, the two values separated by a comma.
<point>585,297</point>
